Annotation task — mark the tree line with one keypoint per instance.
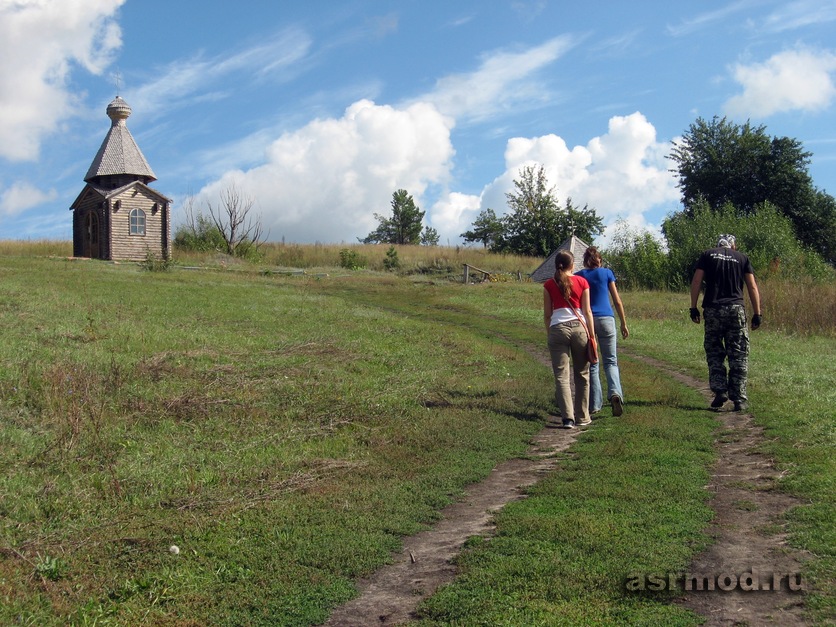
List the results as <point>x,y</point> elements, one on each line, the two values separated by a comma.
<point>734,178</point>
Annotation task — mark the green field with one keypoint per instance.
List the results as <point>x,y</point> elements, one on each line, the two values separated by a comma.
<point>286,431</point>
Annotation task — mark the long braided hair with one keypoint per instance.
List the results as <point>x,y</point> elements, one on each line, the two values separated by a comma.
<point>564,262</point>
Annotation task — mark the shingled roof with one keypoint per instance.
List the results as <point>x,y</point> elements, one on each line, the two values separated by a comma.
<point>119,153</point>
<point>546,270</point>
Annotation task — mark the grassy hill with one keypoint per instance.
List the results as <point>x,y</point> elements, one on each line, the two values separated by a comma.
<point>284,431</point>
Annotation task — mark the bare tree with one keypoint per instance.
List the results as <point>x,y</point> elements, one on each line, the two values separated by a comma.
<point>240,230</point>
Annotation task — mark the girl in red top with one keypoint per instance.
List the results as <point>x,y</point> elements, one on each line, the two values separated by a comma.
<point>567,316</point>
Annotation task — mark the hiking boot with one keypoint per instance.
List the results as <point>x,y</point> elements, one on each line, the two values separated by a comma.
<point>568,424</point>
<point>719,400</point>
<point>741,406</point>
<point>617,405</point>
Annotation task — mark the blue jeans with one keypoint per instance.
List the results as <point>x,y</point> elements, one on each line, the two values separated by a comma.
<point>605,333</point>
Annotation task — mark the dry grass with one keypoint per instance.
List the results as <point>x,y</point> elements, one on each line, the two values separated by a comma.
<point>40,248</point>
<point>801,306</point>
<point>420,259</point>
<point>791,306</point>
<point>412,258</point>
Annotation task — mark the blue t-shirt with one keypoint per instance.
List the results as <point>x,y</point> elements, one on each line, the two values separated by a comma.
<point>599,290</point>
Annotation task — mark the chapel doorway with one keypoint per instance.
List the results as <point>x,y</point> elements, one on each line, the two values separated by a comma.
<point>90,244</point>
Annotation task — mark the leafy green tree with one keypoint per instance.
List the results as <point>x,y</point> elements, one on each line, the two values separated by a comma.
<point>429,237</point>
<point>638,259</point>
<point>486,229</point>
<point>537,224</point>
<point>404,227</point>
<point>766,236</point>
<point>741,165</point>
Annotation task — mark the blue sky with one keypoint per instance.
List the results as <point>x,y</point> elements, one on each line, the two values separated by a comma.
<point>320,110</point>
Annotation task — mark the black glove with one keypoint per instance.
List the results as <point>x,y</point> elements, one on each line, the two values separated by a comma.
<point>756,321</point>
<point>695,315</point>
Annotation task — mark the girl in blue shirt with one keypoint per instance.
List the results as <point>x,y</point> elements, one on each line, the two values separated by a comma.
<point>601,287</point>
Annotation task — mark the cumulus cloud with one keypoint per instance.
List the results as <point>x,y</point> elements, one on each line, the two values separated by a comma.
<point>21,196</point>
<point>799,79</point>
<point>325,181</point>
<point>40,42</point>
<point>623,174</point>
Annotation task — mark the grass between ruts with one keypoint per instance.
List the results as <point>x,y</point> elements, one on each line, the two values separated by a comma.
<point>791,395</point>
<point>628,501</point>
<point>285,432</point>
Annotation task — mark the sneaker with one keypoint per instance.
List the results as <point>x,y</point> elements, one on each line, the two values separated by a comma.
<point>719,400</point>
<point>582,423</point>
<point>568,424</point>
<point>617,405</point>
<point>741,406</point>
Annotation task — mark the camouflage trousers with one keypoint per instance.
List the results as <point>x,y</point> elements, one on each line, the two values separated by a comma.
<point>727,337</point>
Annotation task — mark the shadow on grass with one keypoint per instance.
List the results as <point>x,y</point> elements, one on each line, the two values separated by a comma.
<point>684,406</point>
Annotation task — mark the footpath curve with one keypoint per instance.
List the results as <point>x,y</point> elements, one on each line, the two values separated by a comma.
<point>747,530</point>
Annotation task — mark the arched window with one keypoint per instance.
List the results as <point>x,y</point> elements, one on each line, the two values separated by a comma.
<point>137,222</point>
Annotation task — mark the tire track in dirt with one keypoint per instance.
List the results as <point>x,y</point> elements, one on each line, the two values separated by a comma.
<point>392,593</point>
<point>748,530</point>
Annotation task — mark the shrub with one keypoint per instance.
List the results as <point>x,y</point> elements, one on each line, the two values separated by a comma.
<point>352,260</point>
<point>766,236</point>
<point>201,235</point>
<point>391,262</point>
<point>638,259</point>
<point>152,263</point>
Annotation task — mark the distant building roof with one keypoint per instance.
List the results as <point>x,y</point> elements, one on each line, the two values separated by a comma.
<point>574,245</point>
<point>119,153</point>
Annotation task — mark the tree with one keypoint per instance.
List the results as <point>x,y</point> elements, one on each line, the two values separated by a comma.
<point>741,165</point>
<point>537,224</point>
<point>638,259</point>
<point>486,229</point>
<point>766,235</point>
<point>197,232</point>
<point>429,237</point>
<point>242,232</point>
<point>404,227</point>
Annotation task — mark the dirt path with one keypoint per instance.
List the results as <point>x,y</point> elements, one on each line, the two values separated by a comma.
<point>748,529</point>
<point>393,592</point>
<point>746,508</point>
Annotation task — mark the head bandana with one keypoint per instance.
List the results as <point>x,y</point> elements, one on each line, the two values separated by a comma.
<point>726,241</point>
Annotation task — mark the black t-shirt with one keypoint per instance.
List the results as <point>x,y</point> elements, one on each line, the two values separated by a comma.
<point>724,270</point>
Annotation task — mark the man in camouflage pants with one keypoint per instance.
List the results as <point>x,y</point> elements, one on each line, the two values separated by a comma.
<point>725,272</point>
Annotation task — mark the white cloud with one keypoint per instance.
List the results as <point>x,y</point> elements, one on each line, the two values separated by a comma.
<point>39,43</point>
<point>799,14</point>
<point>622,174</point>
<point>799,79</point>
<point>325,181</point>
<point>505,81</point>
<point>452,215</point>
<point>21,196</point>
<point>185,81</point>
<point>708,19</point>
